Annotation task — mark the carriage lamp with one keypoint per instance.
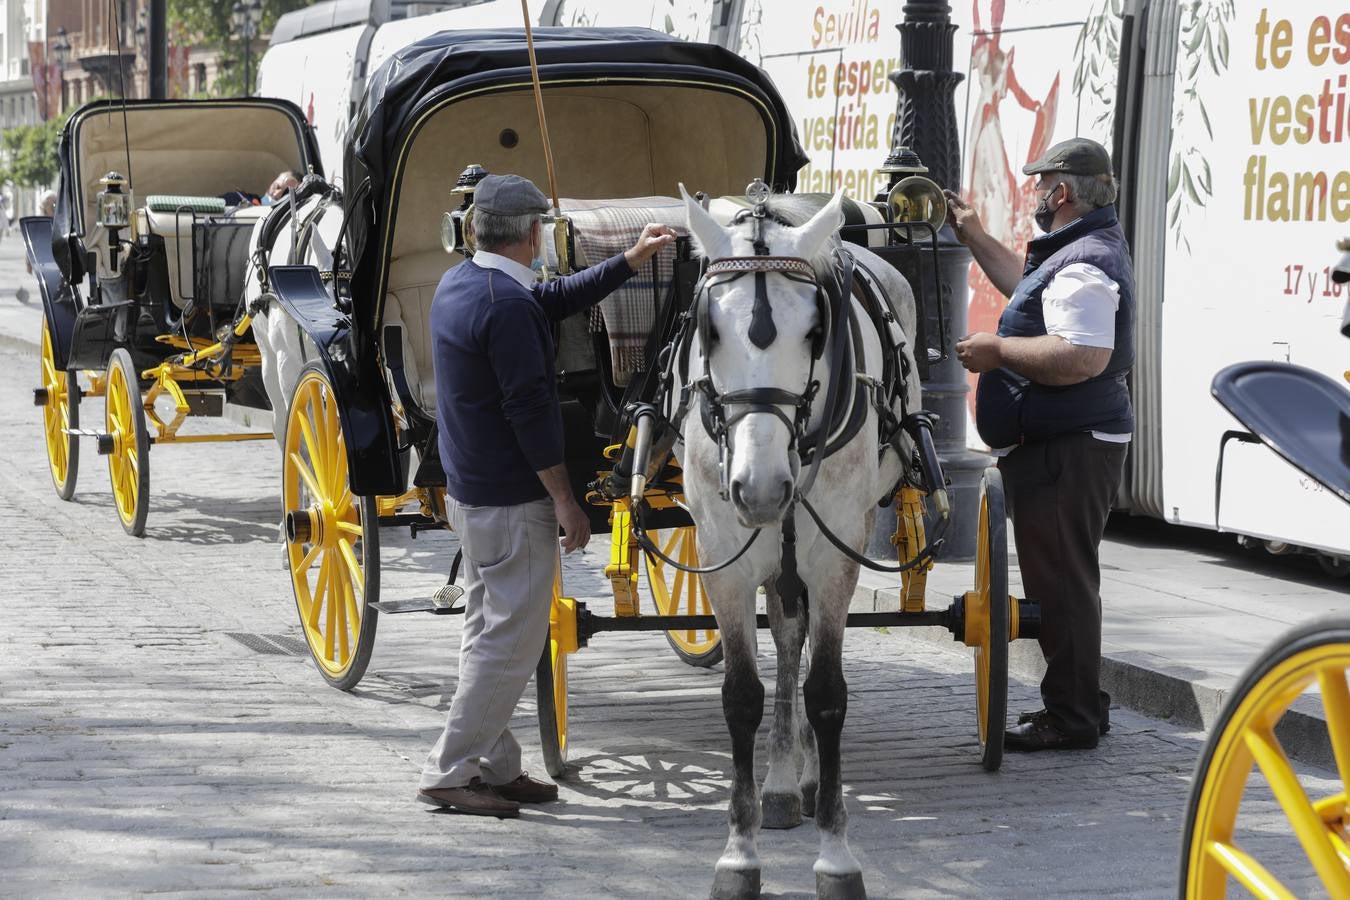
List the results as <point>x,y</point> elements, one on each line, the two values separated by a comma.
<point>914,197</point>
<point>114,206</point>
<point>457,225</point>
<point>113,212</point>
<point>557,236</point>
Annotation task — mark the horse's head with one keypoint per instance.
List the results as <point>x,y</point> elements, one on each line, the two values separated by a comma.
<point>763,325</point>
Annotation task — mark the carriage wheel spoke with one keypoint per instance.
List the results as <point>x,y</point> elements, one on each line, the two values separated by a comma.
<point>316,597</point>
<point>308,559</point>
<point>1248,872</point>
<point>1336,703</point>
<point>354,567</point>
<point>353,612</point>
<point>330,632</point>
<point>1308,826</point>
<point>306,476</point>
<point>315,454</point>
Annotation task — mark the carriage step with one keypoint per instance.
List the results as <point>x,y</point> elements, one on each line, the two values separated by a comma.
<point>441,603</point>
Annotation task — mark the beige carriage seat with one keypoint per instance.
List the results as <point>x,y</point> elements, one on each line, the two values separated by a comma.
<point>407,306</point>
<point>172,217</point>
<point>603,228</point>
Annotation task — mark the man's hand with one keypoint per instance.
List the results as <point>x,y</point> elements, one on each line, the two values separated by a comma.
<point>576,527</point>
<point>965,220</point>
<point>980,352</point>
<point>652,239</point>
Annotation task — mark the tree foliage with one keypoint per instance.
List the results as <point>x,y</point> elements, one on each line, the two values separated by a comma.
<point>30,153</point>
<point>207,23</point>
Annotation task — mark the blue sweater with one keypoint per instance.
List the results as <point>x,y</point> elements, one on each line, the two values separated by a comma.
<point>496,384</point>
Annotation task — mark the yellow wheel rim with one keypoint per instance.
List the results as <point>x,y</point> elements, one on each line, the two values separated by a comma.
<point>326,565</point>
<point>1248,741</point>
<point>56,412</point>
<point>558,654</point>
<point>977,617</point>
<point>124,462</point>
<point>676,593</point>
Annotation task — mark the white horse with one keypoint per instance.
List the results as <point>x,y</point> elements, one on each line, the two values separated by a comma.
<point>760,330</point>
<point>287,237</point>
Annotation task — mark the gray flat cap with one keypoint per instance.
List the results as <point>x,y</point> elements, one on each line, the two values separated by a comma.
<point>1076,156</point>
<point>509,195</point>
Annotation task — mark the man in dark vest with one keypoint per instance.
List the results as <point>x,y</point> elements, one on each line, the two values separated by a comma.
<point>1053,405</point>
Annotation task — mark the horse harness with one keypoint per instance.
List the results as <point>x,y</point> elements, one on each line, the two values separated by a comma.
<point>838,329</point>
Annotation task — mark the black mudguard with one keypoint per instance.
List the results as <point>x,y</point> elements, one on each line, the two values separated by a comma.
<point>58,302</point>
<point>351,363</point>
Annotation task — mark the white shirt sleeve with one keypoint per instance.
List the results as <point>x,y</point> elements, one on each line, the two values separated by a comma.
<point>1079,305</point>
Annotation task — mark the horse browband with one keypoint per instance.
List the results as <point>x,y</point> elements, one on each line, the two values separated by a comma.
<point>741,265</point>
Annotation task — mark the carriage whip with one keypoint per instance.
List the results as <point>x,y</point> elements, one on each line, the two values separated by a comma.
<point>539,105</point>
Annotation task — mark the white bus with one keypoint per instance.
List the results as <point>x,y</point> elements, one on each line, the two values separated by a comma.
<point>1229,124</point>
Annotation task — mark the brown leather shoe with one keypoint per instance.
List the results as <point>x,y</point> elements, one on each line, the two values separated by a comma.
<point>527,790</point>
<point>1041,734</point>
<point>473,799</point>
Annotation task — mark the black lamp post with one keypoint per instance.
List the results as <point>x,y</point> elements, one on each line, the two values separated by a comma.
<point>61,50</point>
<point>925,122</point>
<point>245,18</point>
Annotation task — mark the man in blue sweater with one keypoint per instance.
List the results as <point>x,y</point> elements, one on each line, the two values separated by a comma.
<point>1054,405</point>
<point>507,491</point>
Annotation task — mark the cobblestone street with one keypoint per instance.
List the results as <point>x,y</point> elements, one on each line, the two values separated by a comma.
<point>150,742</point>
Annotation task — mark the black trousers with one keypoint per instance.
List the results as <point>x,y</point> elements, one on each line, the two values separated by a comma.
<point>1059,493</point>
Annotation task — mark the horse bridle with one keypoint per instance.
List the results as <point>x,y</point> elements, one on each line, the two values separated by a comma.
<point>768,400</point>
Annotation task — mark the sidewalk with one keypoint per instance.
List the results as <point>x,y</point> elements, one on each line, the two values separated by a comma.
<point>1184,610</point>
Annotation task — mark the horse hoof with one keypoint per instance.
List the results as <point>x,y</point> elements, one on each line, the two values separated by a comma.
<point>809,801</point>
<point>782,811</point>
<point>840,887</point>
<point>736,884</point>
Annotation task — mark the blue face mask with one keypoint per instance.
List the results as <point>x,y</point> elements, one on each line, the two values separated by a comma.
<point>266,200</point>
<point>537,263</point>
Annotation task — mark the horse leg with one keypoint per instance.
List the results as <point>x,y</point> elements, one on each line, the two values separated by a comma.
<point>838,875</point>
<point>737,872</point>
<point>809,782</point>
<point>782,797</point>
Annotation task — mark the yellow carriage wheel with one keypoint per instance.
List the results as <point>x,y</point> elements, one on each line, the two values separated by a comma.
<point>60,414</point>
<point>127,443</point>
<point>1313,655</point>
<point>676,593</point>
<point>986,611</point>
<point>332,536</point>
<point>550,680</point>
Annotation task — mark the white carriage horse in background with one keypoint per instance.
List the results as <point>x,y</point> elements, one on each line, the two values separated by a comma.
<point>763,338</point>
<point>288,237</point>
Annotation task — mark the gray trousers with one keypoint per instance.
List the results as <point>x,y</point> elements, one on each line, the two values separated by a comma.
<point>510,558</point>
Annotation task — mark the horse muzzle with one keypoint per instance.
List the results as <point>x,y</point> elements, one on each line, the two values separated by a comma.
<point>761,502</point>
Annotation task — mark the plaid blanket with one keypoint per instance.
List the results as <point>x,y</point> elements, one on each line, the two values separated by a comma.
<point>603,228</point>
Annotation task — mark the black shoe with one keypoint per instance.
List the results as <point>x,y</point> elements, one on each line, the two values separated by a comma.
<point>1103,725</point>
<point>1041,734</point>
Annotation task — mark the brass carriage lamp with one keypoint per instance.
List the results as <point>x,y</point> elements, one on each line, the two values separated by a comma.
<point>113,211</point>
<point>457,225</point>
<point>913,197</point>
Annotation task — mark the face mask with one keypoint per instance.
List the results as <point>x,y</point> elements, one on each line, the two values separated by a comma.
<point>266,200</point>
<point>1045,216</point>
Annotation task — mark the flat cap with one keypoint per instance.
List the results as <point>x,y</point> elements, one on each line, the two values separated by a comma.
<point>1076,156</point>
<point>509,195</point>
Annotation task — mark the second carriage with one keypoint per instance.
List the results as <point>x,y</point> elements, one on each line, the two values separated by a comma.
<point>632,114</point>
<point>141,273</point>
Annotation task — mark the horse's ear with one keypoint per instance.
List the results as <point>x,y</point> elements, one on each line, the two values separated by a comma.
<point>813,234</point>
<point>710,237</point>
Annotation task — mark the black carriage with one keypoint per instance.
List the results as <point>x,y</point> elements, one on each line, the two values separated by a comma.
<point>142,272</point>
<point>361,447</point>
